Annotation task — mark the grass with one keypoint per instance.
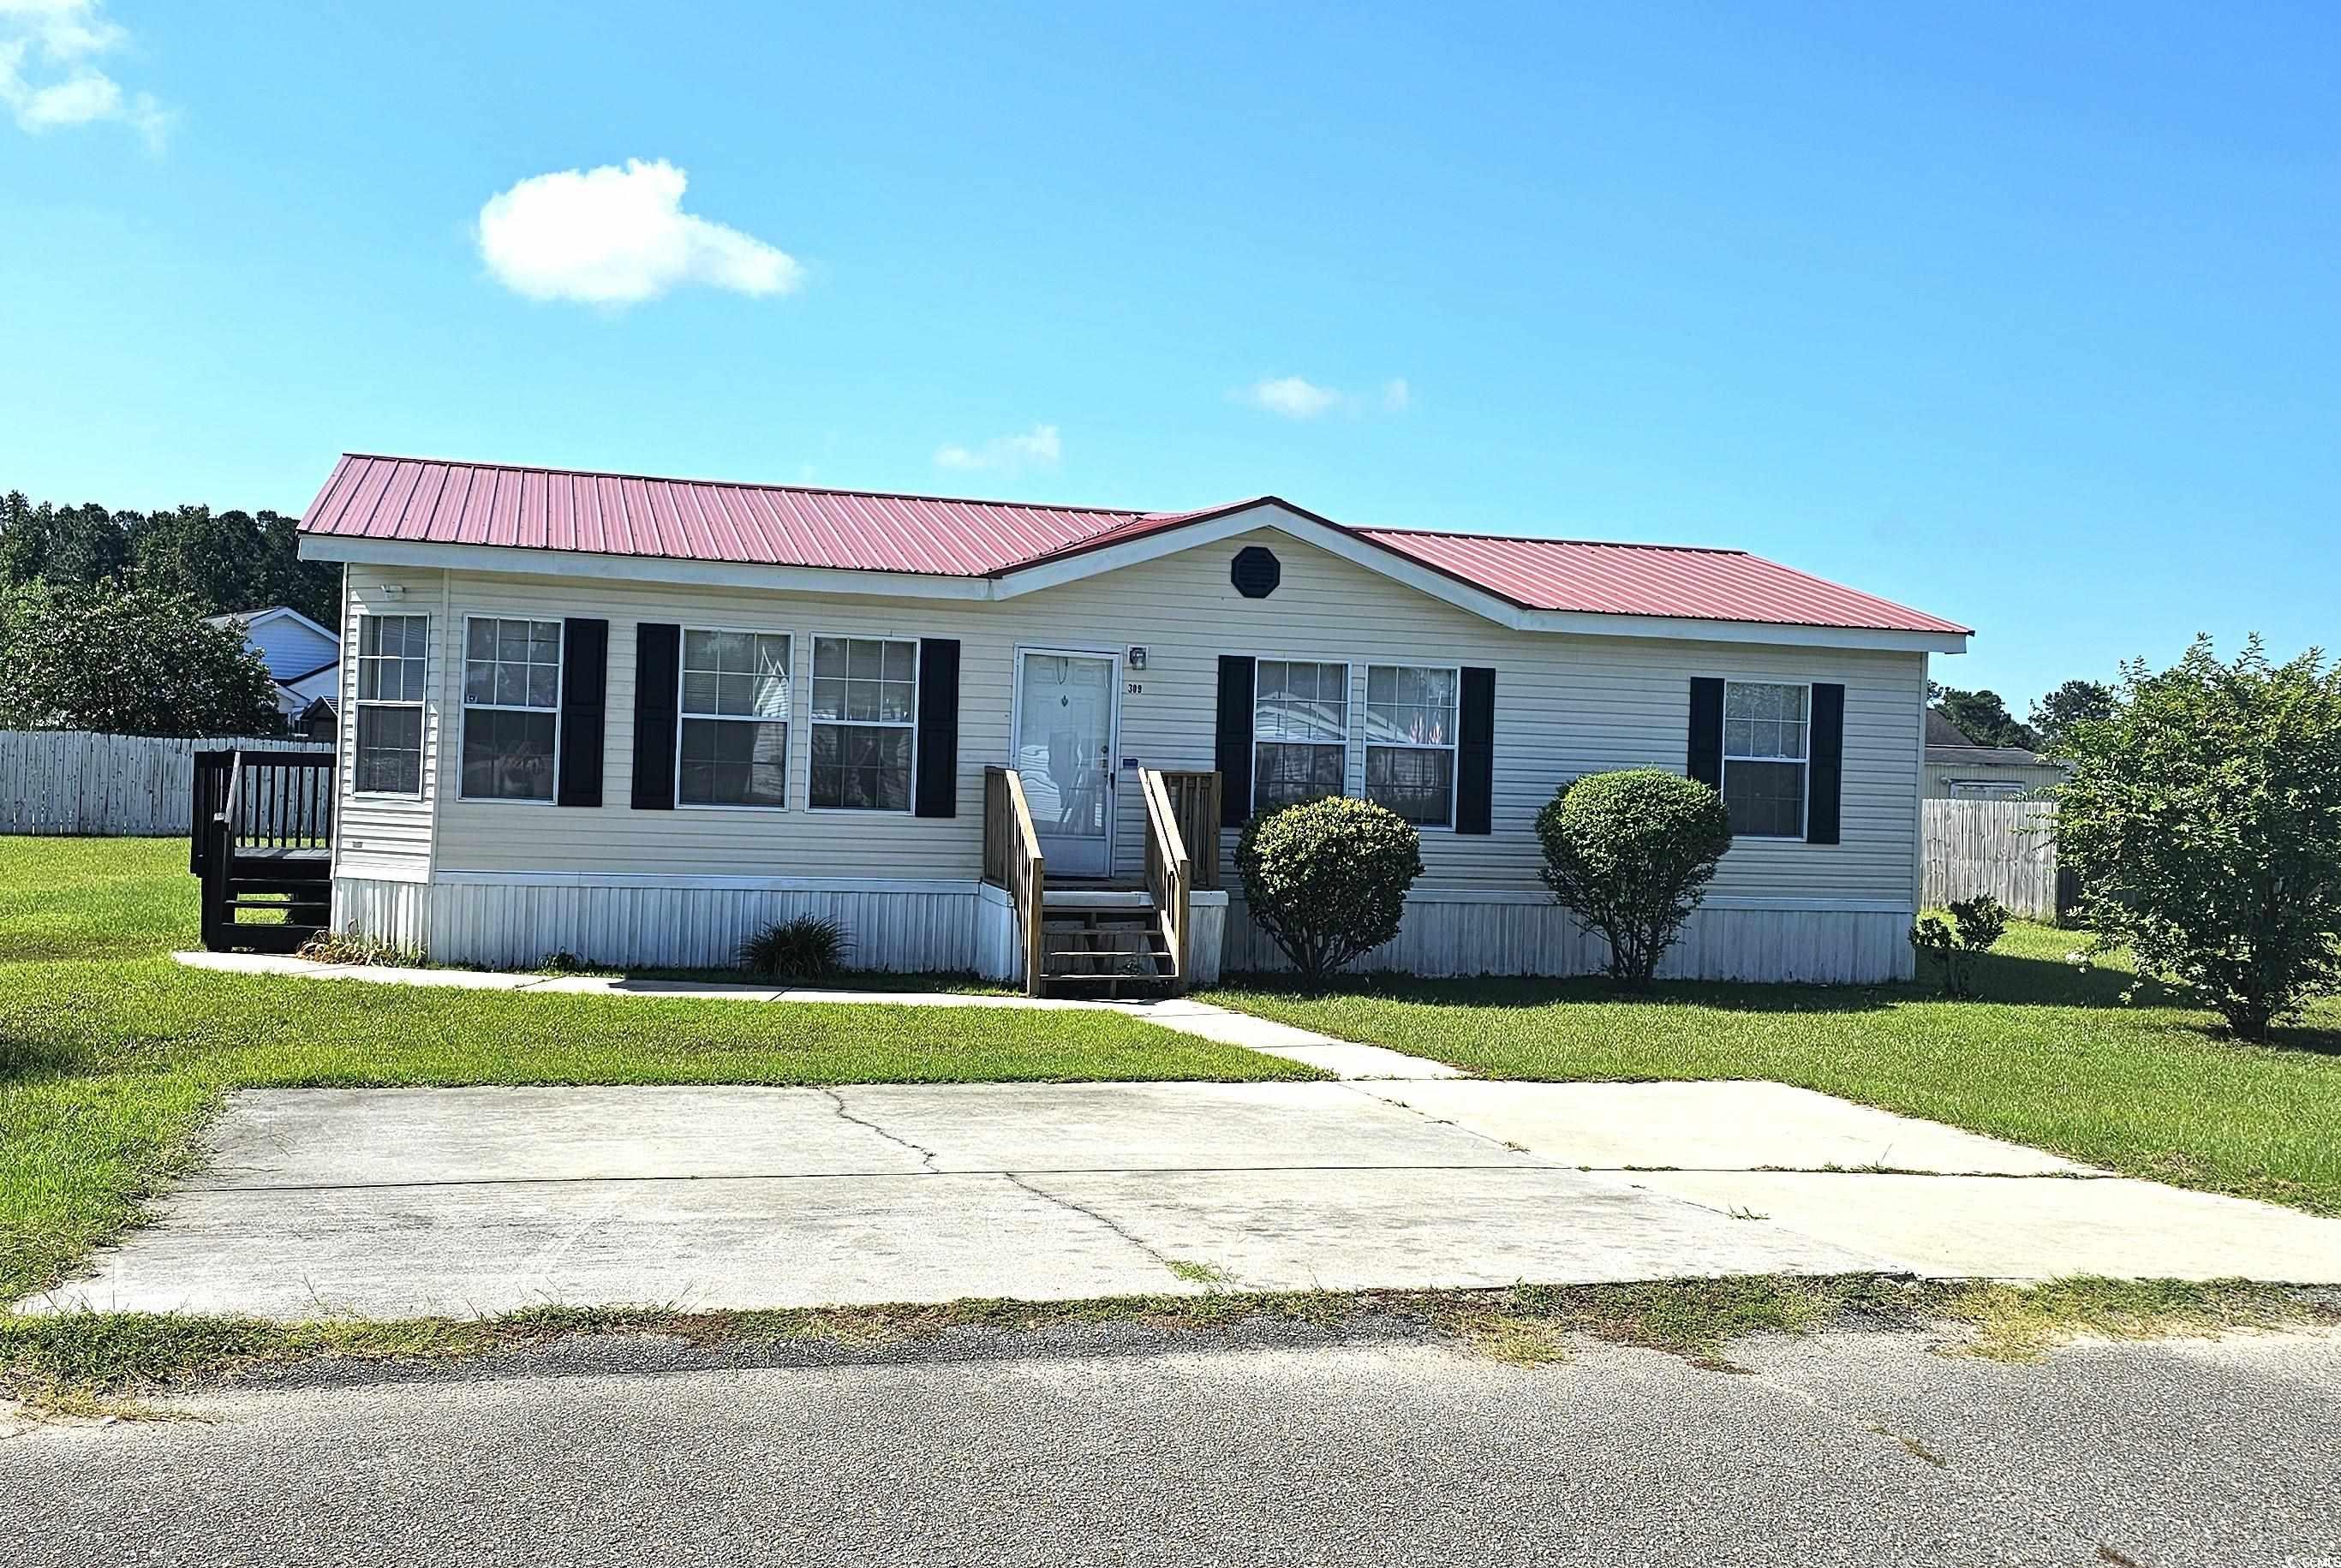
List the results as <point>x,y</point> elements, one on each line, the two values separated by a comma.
<point>2050,1057</point>
<point>112,1057</point>
<point>102,1363</point>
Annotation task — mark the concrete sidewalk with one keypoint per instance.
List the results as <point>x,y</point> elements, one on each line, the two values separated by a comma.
<point>393,1202</point>
<point>1341,1058</point>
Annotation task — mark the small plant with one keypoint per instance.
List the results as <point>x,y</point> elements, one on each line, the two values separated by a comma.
<point>1975,926</point>
<point>358,948</point>
<point>1630,854</point>
<point>1328,879</point>
<point>561,962</point>
<point>808,948</point>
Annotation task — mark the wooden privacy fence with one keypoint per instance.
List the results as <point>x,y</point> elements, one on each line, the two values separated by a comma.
<point>60,782</point>
<point>2002,848</point>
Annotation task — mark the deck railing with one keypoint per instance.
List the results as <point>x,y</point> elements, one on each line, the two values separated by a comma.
<point>1194,801</point>
<point>1012,860</point>
<point>1169,870</point>
<point>277,804</point>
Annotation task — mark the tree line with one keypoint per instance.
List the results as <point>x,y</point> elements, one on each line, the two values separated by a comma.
<point>1984,719</point>
<point>219,560</point>
<point>103,616</point>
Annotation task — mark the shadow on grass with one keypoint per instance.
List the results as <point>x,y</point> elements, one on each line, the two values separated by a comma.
<point>2001,979</point>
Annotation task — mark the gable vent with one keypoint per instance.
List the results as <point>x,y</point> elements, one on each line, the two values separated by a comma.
<point>1255,572</point>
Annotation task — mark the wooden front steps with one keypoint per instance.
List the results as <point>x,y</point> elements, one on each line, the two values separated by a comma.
<point>1103,941</point>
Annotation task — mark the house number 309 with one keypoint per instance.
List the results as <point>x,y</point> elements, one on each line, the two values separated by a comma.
<point>1132,687</point>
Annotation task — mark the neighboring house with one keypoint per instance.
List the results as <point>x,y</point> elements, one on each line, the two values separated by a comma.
<point>1959,769</point>
<point>303,659</point>
<point>635,718</point>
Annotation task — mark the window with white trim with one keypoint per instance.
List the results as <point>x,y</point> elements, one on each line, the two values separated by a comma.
<point>1764,738</point>
<point>393,657</point>
<point>1410,741</point>
<point>512,708</point>
<point>1299,732</point>
<point>866,710</point>
<point>734,749</point>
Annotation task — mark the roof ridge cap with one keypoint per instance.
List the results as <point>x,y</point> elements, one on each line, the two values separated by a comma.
<point>747,484</point>
<point>1548,538</point>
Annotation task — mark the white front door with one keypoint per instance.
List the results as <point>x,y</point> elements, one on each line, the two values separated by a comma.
<point>1064,749</point>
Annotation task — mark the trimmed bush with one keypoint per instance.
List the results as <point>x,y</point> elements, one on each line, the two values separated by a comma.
<point>807,948</point>
<point>1328,878</point>
<point>1630,854</point>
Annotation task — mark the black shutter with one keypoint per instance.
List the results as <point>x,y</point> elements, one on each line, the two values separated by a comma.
<point>1234,753</point>
<point>658,659</point>
<point>935,791</point>
<point>1475,752</point>
<point>1824,773</point>
<point>584,683</point>
<point>1707,732</point>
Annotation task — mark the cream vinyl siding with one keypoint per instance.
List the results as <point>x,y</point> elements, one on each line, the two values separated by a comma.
<point>384,837</point>
<point>1565,705</point>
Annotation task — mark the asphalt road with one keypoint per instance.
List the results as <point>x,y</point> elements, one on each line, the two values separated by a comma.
<point>1117,1446</point>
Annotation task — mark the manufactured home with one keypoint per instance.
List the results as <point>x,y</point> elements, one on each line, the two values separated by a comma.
<point>636,719</point>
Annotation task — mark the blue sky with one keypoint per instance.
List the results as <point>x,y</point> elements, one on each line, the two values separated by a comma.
<point>2028,315</point>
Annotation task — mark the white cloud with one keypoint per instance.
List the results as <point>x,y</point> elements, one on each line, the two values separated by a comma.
<point>1039,448</point>
<point>1296,397</point>
<point>1290,396</point>
<point>47,79</point>
<point>613,236</point>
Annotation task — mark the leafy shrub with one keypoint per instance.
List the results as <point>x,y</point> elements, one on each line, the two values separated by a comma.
<point>1328,878</point>
<point>2204,817</point>
<point>560,961</point>
<point>358,948</point>
<point>1630,854</point>
<point>807,948</point>
<point>1980,922</point>
<point>130,661</point>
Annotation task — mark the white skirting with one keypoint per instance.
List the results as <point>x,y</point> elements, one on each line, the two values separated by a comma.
<point>515,925</point>
<point>902,926</point>
<point>939,927</point>
<point>1458,933</point>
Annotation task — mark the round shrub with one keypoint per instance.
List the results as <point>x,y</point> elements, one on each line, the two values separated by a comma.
<point>807,948</point>
<point>1328,878</point>
<point>1630,853</point>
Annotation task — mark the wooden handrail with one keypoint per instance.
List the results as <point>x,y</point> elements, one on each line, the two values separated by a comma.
<point>1012,859</point>
<point>1169,870</point>
<point>1195,806</point>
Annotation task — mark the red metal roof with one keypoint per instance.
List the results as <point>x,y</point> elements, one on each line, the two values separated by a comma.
<point>424,501</point>
<point>1674,581</point>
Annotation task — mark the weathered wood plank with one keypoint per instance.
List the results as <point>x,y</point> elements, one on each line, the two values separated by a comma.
<point>2003,848</point>
<point>73,781</point>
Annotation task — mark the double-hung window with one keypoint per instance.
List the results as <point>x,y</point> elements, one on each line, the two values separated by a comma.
<point>1410,741</point>
<point>512,708</point>
<point>865,709</point>
<point>1301,732</point>
<point>393,654</point>
<point>1765,735</point>
<point>735,745</point>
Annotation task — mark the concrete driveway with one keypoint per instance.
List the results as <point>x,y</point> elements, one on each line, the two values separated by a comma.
<point>396,1202</point>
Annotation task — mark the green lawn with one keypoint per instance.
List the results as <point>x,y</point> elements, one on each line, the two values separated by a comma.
<point>112,1057</point>
<point>2051,1056</point>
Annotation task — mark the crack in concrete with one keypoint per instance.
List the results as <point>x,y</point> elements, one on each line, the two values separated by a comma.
<point>837,1101</point>
<point>1087,1212</point>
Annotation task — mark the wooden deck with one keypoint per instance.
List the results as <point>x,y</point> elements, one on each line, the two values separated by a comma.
<point>263,847</point>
